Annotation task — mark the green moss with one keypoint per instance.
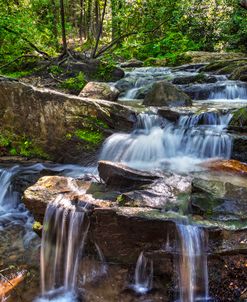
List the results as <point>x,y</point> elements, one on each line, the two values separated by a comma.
<point>239,118</point>
<point>104,71</point>
<point>17,74</point>
<point>20,145</point>
<point>74,83</point>
<point>92,137</point>
<point>121,200</point>
<point>37,226</point>
<point>55,69</point>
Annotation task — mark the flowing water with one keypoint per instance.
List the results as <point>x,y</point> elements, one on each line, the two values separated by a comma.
<point>143,275</point>
<point>157,143</point>
<point>192,264</point>
<point>62,246</point>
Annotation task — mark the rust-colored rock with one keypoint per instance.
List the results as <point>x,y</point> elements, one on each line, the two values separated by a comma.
<point>231,166</point>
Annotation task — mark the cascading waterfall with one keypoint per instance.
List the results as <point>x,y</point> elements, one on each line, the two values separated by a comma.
<point>156,140</point>
<point>61,248</point>
<point>143,275</point>
<point>230,92</point>
<point>192,264</point>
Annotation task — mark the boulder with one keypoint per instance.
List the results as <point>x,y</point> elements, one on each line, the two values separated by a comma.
<point>166,193</point>
<point>239,120</point>
<point>239,149</point>
<point>48,124</point>
<point>220,197</point>
<point>164,93</point>
<point>208,56</point>
<point>199,78</point>
<point>117,174</point>
<point>231,166</point>
<point>240,74</point>
<point>170,115</point>
<point>99,90</point>
<point>132,63</point>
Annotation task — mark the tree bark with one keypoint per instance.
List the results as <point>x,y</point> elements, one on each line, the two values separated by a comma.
<point>55,22</point>
<point>62,16</point>
<point>100,31</point>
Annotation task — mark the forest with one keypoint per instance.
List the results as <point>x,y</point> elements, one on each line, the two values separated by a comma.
<point>123,151</point>
<point>117,30</point>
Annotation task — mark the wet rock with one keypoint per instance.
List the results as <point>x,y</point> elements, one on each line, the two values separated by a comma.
<point>99,90</point>
<point>57,126</point>
<point>116,174</point>
<point>167,193</point>
<point>239,150</point>
<point>164,93</point>
<point>220,198</point>
<point>240,73</point>
<point>239,120</point>
<point>199,78</point>
<point>170,115</point>
<point>231,166</point>
<point>230,67</point>
<point>132,63</point>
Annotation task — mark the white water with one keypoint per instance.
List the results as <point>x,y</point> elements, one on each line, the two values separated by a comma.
<point>192,264</point>
<point>62,245</point>
<point>231,91</point>
<point>156,143</point>
<point>143,275</point>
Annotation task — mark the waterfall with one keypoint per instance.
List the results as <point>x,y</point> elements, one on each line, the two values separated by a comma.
<point>155,140</point>
<point>192,264</point>
<point>61,248</point>
<point>143,275</point>
<point>230,92</point>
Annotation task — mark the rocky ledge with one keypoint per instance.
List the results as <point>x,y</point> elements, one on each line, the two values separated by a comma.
<point>124,222</point>
<point>51,125</point>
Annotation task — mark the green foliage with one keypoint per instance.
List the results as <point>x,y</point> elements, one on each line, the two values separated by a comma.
<point>92,137</point>
<point>75,83</point>
<point>55,69</point>
<point>13,145</point>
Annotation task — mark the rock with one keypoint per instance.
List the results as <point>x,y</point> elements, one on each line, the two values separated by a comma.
<point>99,90</point>
<point>239,150</point>
<point>206,56</point>
<point>170,115</point>
<point>240,73</point>
<point>239,120</point>
<point>220,197</point>
<point>166,193</point>
<point>231,166</point>
<point>57,126</point>
<point>122,233</point>
<point>230,67</point>
<point>116,174</point>
<point>132,63</point>
<point>164,93</point>
<point>199,78</point>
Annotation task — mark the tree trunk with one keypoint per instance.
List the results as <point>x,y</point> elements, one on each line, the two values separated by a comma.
<point>100,31</point>
<point>54,22</point>
<point>81,21</point>
<point>62,15</point>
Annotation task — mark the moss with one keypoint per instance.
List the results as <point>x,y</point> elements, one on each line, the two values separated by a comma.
<point>37,226</point>
<point>239,118</point>
<point>121,200</point>
<point>104,71</point>
<point>17,74</point>
<point>240,73</point>
<point>74,83</point>
<point>11,144</point>
<point>92,137</point>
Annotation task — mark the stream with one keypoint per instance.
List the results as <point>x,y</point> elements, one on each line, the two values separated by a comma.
<point>155,144</point>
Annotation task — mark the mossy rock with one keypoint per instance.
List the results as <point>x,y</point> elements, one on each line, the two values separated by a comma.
<point>239,119</point>
<point>240,73</point>
<point>225,67</point>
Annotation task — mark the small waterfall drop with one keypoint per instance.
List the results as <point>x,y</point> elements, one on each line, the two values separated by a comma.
<point>192,264</point>
<point>155,140</point>
<point>62,245</point>
<point>231,91</point>
<point>143,275</point>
